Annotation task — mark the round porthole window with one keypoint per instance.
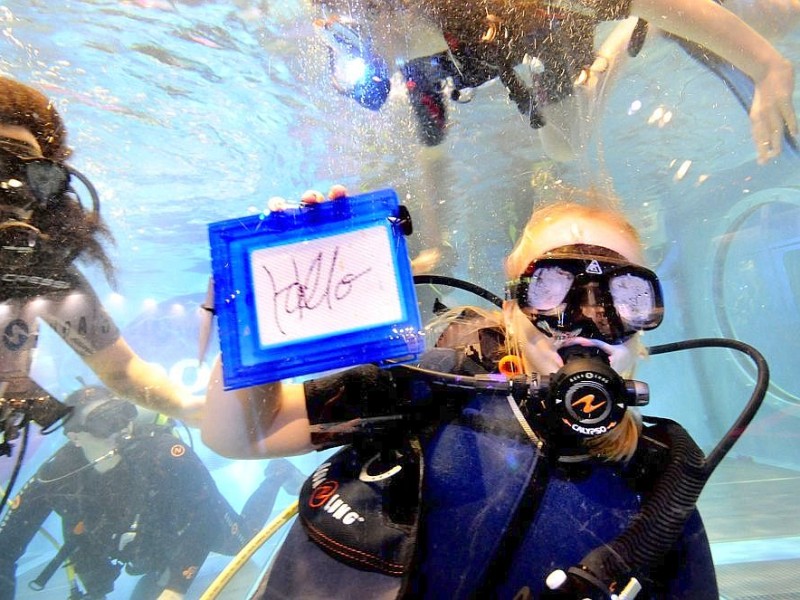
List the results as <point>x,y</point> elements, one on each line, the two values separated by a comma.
<point>757,283</point>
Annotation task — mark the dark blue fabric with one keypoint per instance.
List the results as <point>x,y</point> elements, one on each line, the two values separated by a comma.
<point>473,483</point>
<point>303,570</point>
<point>474,479</point>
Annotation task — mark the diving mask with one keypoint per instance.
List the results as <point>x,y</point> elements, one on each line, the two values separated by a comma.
<point>30,183</point>
<point>32,180</point>
<point>588,291</point>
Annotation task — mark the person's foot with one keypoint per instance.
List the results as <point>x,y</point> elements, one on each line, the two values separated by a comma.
<point>435,260</point>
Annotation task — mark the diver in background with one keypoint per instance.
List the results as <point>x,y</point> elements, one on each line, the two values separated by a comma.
<point>479,492</point>
<point>130,496</point>
<point>554,42</point>
<point>45,230</point>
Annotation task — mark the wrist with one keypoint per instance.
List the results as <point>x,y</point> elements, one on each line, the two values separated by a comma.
<point>364,399</point>
<point>771,64</point>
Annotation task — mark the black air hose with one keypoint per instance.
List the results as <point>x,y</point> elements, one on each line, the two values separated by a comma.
<point>663,514</point>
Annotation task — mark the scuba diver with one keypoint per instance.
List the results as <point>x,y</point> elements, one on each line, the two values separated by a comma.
<point>46,228</point>
<point>544,55</point>
<point>511,462</point>
<point>130,496</point>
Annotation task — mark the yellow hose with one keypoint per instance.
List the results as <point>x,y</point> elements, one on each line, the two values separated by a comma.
<point>246,553</point>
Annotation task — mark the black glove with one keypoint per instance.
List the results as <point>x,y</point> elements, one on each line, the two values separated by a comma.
<point>364,400</point>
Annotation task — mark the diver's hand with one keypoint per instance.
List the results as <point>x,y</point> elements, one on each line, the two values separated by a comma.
<point>277,204</point>
<point>364,399</point>
<point>335,192</point>
<point>425,262</point>
<point>772,109</point>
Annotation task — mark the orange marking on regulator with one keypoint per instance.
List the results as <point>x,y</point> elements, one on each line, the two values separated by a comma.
<point>510,365</point>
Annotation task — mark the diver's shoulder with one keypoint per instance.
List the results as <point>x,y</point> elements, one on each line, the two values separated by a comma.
<point>160,441</point>
<point>66,459</point>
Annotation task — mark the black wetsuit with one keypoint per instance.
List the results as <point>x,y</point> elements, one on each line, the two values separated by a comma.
<point>157,513</point>
<point>488,39</point>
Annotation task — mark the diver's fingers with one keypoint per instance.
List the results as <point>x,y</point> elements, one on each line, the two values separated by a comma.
<point>777,126</point>
<point>790,117</point>
<point>776,139</point>
<point>787,106</point>
<point>337,191</point>
<point>312,197</point>
<point>277,204</point>
<point>767,129</point>
<point>426,261</point>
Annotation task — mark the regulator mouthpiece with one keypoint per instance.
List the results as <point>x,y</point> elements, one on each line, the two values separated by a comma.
<point>586,397</point>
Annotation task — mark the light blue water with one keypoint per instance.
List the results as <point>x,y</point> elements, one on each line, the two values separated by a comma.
<point>185,113</point>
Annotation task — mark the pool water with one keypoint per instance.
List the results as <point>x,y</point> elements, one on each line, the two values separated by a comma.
<point>184,113</point>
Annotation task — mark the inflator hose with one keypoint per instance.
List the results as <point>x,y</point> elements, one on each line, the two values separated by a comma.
<point>663,515</point>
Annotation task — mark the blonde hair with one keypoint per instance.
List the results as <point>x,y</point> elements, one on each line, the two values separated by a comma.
<point>619,443</point>
<point>589,204</point>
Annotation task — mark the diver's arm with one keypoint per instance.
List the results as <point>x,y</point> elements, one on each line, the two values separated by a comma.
<point>709,24</point>
<point>146,384</point>
<point>256,422</point>
<point>185,508</point>
<point>281,419</point>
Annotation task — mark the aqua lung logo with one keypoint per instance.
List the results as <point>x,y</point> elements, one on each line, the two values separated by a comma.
<point>16,334</point>
<point>325,496</point>
<point>594,268</point>
<point>588,404</point>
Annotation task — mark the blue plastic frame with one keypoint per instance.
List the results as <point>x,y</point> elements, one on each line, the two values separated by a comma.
<point>245,360</point>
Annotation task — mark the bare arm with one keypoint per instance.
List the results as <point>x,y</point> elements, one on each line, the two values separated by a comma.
<point>256,422</point>
<point>146,384</point>
<point>265,420</point>
<point>709,24</point>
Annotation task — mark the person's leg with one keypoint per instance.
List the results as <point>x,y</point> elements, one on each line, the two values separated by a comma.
<point>95,571</point>
<point>148,587</point>
<point>279,474</point>
<point>571,122</point>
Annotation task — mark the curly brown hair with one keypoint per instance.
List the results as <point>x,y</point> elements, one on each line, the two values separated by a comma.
<point>70,230</point>
<point>26,107</point>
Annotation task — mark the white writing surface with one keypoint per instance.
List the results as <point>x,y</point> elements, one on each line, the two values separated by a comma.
<point>325,286</point>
